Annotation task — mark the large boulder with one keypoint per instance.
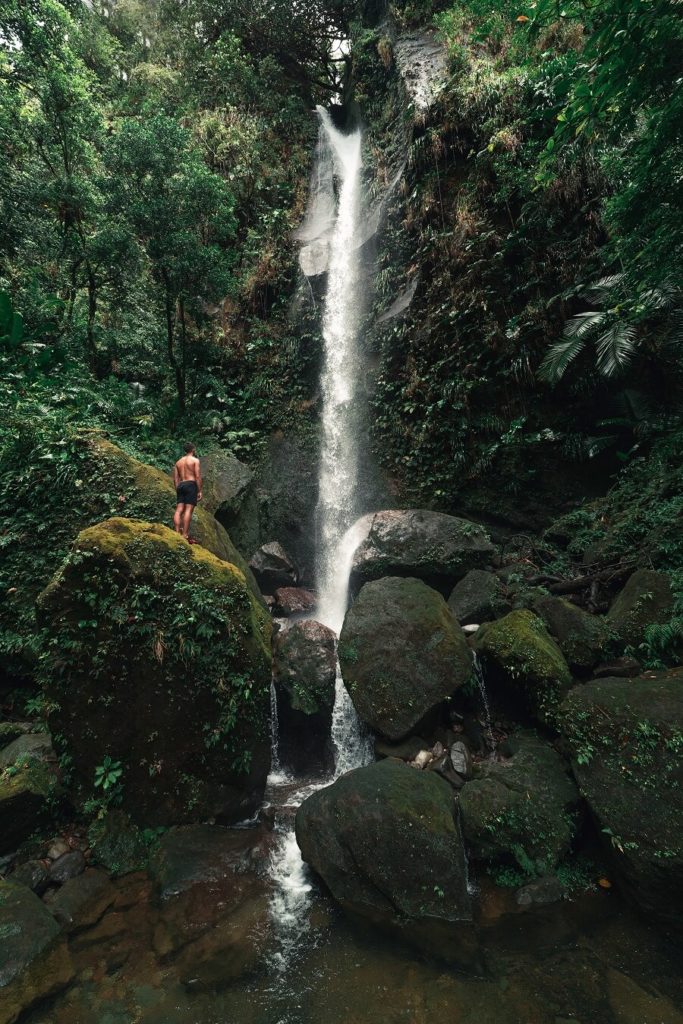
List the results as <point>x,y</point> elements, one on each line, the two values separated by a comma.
<point>415,542</point>
<point>273,568</point>
<point>582,638</point>
<point>229,495</point>
<point>478,597</point>
<point>401,654</point>
<point>102,481</point>
<point>157,657</point>
<point>521,811</point>
<point>34,960</point>
<point>626,741</point>
<point>645,600</point>
<point>524,662</point>
<point>304,673</point>
<point>386,841</point>
<point>27,790</point>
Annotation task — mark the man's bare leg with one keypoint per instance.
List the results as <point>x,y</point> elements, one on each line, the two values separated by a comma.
<point>189,509</point>
<point>178,518</point>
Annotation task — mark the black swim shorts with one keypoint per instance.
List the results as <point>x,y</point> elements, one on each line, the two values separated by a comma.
<point>186,493</point>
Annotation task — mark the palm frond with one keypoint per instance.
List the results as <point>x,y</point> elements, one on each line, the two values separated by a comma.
<point>583,323</point>
<point>615,347</point>
<point>602,290</point>
<point>559,356</point>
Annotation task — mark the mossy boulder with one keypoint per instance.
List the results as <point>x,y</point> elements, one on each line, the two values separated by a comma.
<point>522,811</point>
<point>478,597</point>
<point>62,497</point>
<point>522,658</point>
<point>386,842</point>
<point>645,600</point>
<point>304,673</point>
<point>401,654</point>
<point>582,638</point>
<point>157,656</point>
<point>34,960</point>
<point>419,543</point>
<point>626,743</point>
<point>27,801</point>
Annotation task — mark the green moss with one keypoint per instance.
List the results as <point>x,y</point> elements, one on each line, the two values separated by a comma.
<point>520,648</point>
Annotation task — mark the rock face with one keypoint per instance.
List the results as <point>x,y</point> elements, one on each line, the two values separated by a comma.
<point>34,962</point>
<point>273,568</point>
<point>521,811</point>
<point>581,637</point>
<point>304,672</point>
<point>158,657</point>
<point>25,800</point>
<point>645,600</point>
<point>478,597</point>
<point>36,745</point>
<point>230,496</point>
<point>293,601</point>
<point>401,653</point>
<point>626,739</point>
<point>386,842</point>
<point>522,658</point>
<point>428,545</point>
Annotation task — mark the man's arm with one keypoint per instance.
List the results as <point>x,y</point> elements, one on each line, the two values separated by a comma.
<point>198,474</point>
<point>176,475</point>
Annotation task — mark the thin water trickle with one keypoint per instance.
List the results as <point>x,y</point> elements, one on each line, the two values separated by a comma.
<point>478,673</point>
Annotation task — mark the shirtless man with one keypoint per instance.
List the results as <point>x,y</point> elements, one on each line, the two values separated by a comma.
<point>187,477</point>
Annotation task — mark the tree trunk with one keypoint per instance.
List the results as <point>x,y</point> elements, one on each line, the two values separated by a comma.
<point>170,345</point>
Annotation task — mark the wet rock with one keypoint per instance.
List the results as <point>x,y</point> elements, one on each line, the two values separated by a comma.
<point>31,745</point>
<point>478,597</point>
<point>401,654</point>
<point>32,874</point>
<point>118,844</point>
<point>646,599</point>
<point>521,811</point>
<point>542,891</point>
<point>69,865</point>
<point>625,740</point>
<point>34,960</point>
<point>625,667</point>
<point>304,672</point>
<point>423,65</point>
<point>273,568</point>
<point>461,759</point>
<point>58,848</point>
<point>415,542</point>
<point>421,759</point>
<point>25,801</point>
<point>10,731</point>
<point>631,1004</point>
<point>581,637</point>
<point>405,750</point>
<point>387,844</point>
<point>522,658</point>
<point>214,919</point>
<point>174,706</point>
<point>81,901</point>
<point>293,601</point>
<point>227,484</point>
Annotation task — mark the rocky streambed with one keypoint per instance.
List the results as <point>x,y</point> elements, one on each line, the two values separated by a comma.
<point>523,801</point>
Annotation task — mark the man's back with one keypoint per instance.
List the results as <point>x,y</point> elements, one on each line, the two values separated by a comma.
<point>188,468</point>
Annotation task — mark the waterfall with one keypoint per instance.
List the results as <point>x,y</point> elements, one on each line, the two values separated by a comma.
<point>331,238</point>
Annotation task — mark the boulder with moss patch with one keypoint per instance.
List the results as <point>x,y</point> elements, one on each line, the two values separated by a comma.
<point>418,543</point>
<point>230,496</point>
<point>34,960</point>
<point>401,654</point>
<point>157,656</point>
<point>522,811</point>
<point>27,800</point>
<point>645,600</point>
<point>523,660</point>
<point>478,597</point>
<point>387,843</point>
<point>626,741</point>
<point>582,638</point>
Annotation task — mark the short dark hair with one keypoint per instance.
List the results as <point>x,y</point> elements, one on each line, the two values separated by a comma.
<point>189,447</point>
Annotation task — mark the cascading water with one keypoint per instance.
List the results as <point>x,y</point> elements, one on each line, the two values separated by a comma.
<point>332,236</point>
